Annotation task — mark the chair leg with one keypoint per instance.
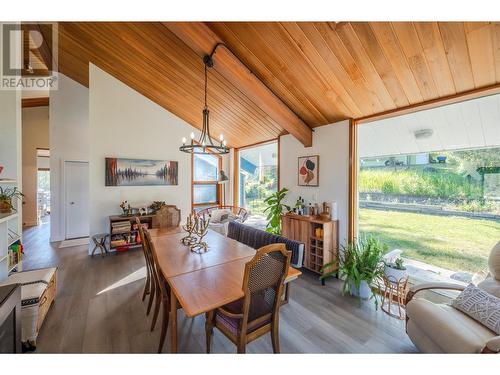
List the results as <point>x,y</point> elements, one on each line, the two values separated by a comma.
<point>147,287</point>
<point>275,337</point>
<point>209,329</point>
<point>157,310</point>
<point>164,324</point>
<point>151,298</point>
<point>241,347</point>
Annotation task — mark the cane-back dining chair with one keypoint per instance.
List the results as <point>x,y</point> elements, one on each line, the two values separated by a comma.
<point>167,216</point>
<point>257,313</point>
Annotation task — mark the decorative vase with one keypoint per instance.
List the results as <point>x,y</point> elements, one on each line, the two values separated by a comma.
<point>5,206</point>
<point>394,275</point>
<point>364,290</point>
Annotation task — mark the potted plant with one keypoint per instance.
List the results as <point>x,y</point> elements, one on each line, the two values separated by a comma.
<point>360,266</point>
<point>395,270</point>
<point>6,197</point>
<point>274,209</point>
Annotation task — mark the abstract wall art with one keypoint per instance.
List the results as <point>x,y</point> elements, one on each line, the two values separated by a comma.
<point>308,170</point>
<point>138,172</point>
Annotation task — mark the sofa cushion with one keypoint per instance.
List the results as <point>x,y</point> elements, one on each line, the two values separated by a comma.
<point>480,306</point>
<point>448,328</point>
<point>219,215</point>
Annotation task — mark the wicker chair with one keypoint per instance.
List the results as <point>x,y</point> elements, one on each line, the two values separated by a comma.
<point>167,216</point>
<point>257,313</point>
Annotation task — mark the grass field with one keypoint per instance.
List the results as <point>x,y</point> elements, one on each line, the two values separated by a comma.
<point>455,243</point>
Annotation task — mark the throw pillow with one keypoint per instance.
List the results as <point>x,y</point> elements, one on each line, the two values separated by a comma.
<point>216,216</point>
<point>480,306</point>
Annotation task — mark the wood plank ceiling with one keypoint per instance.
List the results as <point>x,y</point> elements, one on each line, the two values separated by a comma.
<point>324,72</point>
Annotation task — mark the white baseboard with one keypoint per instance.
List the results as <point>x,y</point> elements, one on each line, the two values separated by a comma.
<point>74,242</point>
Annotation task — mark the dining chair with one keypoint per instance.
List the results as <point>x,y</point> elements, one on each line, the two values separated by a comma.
<point>257,313</point>
<point>162,291</point>
<point>167,216</point>
<point>149,287</point>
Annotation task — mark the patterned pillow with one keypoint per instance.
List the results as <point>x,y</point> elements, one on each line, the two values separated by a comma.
<point>480,306</point>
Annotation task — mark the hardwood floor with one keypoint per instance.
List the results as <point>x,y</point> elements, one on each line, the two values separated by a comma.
<point>98,309</point>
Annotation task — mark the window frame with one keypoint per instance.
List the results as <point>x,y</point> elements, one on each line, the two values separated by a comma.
<point>216,183</point>
<point>236,161</point>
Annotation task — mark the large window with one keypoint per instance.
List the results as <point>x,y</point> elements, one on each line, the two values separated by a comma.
<point>205,181</point>
<point>258,176</point>
<point>429,187</point>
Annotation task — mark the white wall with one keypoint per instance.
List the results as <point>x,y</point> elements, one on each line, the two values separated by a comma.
<point>331,143</point>
<point>35,135</point>
<point>10,128</point>
<point>125,124</point>
<point>69,140</point>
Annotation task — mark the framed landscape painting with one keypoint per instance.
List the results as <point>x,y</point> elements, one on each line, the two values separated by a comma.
<point>138,172</point>
<point>308,170</point>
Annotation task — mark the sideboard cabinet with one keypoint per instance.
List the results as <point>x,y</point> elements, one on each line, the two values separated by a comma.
<point>320,237</point>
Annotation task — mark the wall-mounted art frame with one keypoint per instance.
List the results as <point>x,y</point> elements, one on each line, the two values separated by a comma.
<point>308,170</point>
<point>139,172</point>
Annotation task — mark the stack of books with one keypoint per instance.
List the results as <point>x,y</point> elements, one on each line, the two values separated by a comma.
<point>120,227</point>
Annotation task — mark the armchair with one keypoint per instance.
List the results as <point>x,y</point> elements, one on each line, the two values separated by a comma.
<point>440,328</point>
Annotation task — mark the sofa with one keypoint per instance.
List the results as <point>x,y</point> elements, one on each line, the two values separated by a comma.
<point>256,238</point>
<point>221,216</point>
<point>440,328</point>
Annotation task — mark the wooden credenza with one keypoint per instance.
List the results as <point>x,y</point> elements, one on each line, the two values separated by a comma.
<point>318,249</point>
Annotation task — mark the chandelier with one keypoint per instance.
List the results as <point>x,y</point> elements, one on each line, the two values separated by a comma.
<point>205,145</point>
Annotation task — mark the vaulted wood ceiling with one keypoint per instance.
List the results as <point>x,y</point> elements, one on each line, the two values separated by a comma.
<point>324,72</point>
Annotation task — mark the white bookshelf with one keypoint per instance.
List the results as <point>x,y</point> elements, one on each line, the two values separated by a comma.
<point>8,235</point>
<point>10,159</point>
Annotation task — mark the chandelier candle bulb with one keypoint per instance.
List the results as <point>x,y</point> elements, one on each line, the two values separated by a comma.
<point>183,140</point>
<point>192,135</point>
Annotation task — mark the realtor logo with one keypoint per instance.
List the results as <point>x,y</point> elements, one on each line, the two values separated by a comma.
<point>29,56</point>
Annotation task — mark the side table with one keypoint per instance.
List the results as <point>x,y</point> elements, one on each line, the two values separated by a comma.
<point>393,296</point>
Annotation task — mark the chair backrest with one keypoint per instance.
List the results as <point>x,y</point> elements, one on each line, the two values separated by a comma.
<point>143,238</point>
<point>157,274</point>
<point>263,283</point>
<point>168,216</point>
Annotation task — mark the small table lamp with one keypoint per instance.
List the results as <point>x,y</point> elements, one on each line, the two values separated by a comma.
<point>222,180</point>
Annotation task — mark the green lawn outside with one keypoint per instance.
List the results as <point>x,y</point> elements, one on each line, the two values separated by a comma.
<point>455,243</point>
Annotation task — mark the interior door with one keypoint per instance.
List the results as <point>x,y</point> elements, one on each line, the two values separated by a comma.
<point>76,198</point>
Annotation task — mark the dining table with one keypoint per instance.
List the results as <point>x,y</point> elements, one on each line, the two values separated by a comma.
<point>200,283</point>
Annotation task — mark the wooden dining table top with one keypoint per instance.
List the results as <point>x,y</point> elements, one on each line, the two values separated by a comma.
<point>205,281</point>
<point>175,258</point>
<point>206,289</point>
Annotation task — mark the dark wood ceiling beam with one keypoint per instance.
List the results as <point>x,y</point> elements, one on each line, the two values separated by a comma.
<point>200,38</point>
